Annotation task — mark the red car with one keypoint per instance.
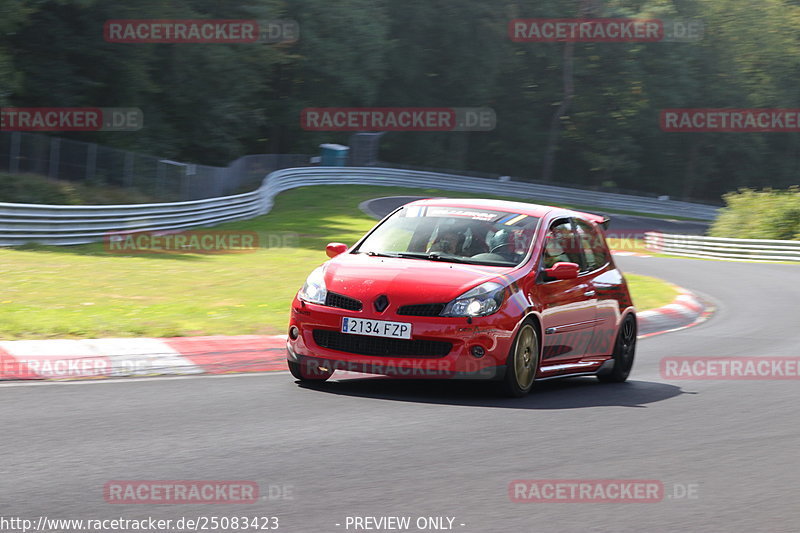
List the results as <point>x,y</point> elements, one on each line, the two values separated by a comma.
<point>475,289</point>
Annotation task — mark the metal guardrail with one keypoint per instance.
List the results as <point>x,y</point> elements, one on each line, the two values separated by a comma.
<point>63,225</point>
<point>522,190</point>
<point>723,248</point>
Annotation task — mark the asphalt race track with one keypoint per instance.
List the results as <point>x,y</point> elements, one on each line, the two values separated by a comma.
<point>725,451</point>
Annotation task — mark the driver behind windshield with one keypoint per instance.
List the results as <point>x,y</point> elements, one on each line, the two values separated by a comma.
<point>465,240</point>
<point>447,242</point>
<point>502,243</point>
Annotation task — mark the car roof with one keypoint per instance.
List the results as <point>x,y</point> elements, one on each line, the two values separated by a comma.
<point>523,208</point>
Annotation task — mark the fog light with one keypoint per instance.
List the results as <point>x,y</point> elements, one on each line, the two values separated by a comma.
<point>477,351</point>
<point>294,333</point>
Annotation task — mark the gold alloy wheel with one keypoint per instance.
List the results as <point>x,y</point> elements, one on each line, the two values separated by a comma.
<point>526,357</point>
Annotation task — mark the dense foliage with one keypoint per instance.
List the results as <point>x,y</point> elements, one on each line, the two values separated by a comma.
<point>33,189</point>
<point>214,103</point>
<point>765,214</point>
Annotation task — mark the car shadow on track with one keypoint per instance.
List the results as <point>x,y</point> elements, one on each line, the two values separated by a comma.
<point>570,393</point>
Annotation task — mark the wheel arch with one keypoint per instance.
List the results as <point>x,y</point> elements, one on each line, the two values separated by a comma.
<point>628,311</point>
<point>537,325</point>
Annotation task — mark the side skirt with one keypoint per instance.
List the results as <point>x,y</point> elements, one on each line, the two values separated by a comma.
<point>578,370</point>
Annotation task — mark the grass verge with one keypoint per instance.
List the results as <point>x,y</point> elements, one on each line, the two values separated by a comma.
<point>649,293</point>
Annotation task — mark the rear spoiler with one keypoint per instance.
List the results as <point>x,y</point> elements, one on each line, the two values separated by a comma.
<point>601,220</point>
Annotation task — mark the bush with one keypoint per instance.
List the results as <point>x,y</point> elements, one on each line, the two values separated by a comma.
<point>766,214</point>
<point>34,189</point>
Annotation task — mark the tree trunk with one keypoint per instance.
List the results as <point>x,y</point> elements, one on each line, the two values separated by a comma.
<point>555,122</point>
<point>587,8</point>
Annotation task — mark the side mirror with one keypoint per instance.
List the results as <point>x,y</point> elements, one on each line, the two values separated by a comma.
<point>335,248</point>
<point>563,271</point>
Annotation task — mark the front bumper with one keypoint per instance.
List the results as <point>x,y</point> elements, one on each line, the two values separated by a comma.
<point>494,334</point>
<point>397,368</point>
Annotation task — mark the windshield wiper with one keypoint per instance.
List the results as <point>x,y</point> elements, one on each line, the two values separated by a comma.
<point>379,254</point>
<point>437,256</point>
<point>434,256</point>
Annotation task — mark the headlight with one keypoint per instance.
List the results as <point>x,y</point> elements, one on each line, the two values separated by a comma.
<point>314,290</point>
<point>483,300</point>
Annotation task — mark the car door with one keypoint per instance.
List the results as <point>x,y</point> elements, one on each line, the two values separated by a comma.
<point>568,306</point>
<point>594,260</point>
<point>607,284</point>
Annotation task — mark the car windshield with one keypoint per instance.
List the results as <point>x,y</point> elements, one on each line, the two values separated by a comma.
<point>454,234</point>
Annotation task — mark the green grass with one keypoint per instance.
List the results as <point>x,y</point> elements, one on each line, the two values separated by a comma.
<point>35,189</point>
<point>86,292</point>
<point>648,292</point>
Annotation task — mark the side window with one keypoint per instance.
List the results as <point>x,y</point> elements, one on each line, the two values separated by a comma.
<point>560,245</point>
<point>593,246</point>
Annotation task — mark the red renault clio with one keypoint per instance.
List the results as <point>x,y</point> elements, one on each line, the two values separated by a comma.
<point>474,289</point>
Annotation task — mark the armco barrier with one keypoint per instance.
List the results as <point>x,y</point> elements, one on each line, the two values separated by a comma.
<point>61,225</point>
<point>723,248</point>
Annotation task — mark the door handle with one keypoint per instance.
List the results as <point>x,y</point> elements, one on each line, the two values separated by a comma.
<point>589,293</point>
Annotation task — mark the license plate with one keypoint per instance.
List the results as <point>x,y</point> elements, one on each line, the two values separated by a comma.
<point>376,328</point>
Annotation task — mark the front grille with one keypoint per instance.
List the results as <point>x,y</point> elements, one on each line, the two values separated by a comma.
<point>421,310</point>
<point>379,346</point>
<point>343,302</point>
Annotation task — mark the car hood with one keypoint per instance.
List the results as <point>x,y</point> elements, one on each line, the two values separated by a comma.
<point>406,280</point>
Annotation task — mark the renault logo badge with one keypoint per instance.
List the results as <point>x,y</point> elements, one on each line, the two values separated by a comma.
<point>381,303</point>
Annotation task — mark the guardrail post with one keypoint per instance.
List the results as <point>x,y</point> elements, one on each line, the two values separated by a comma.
<point>55,157</point>
<point>13,156</point>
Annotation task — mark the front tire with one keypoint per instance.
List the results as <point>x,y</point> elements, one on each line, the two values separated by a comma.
<point>624,353</point>
<point>309,372</point>
<point>523,362</point>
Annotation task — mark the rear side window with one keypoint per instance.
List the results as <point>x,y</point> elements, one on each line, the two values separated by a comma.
<point>592,243</point>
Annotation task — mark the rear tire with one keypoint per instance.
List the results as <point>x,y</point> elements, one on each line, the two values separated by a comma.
<point>624,353</point>
<point>522,363</point>
<point>308,372</point>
